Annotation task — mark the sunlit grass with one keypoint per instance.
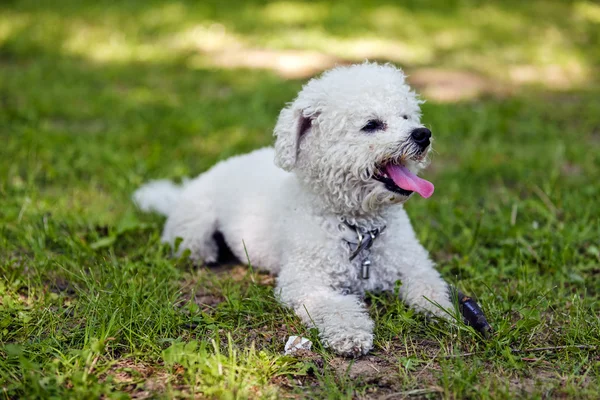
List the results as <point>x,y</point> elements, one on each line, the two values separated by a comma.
<point>550,43</point>
<point>588,11</point>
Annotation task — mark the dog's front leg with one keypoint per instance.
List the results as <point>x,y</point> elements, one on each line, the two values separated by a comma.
<point>342,320</point>
<point>424,289</point>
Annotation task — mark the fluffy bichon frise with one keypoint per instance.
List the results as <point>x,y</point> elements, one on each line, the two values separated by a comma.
<point>329,221</point>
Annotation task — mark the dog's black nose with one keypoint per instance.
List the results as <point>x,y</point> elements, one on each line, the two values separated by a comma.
<point>421,137</point>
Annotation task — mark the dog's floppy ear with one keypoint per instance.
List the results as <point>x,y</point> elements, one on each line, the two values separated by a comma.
<point>293,122</point>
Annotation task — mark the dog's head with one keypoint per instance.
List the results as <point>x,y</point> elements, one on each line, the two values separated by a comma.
<point>354,135</point>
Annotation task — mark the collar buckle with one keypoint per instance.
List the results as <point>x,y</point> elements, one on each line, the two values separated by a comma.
<point>365,241</point>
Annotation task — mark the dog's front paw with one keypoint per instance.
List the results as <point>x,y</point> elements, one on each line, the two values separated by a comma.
<point>435,304</point>
<point>351,343</point>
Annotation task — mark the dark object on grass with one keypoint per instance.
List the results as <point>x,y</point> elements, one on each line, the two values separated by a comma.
<point>473,314</point>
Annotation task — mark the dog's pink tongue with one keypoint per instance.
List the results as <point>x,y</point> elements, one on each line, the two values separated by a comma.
<point>409,181</point>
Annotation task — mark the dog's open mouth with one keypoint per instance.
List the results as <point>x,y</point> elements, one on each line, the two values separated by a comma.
<point>399,179</point>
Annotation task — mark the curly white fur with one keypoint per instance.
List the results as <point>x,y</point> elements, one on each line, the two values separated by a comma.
<point>292,220</point>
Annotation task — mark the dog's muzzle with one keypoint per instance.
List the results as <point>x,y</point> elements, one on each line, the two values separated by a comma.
<point>397,177</point>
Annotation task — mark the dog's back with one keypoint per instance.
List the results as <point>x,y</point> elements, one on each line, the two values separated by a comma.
<point>241,197</point>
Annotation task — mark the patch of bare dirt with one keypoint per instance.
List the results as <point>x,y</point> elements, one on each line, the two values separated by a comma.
<point>206,277</point>
<point>424,348</point>
<point>139,380</point>
<point>445,85</point>
<point>60,285</point>
<point>546,379</point>
<point>527,385</point>
<point>201,288</point>
<point>368,369</point>
<point>554,76</point>
<point>291,64</point>
<point>237,273</point>
<point>386,379</point>
<point>201,292</point>
<point>269,337</point>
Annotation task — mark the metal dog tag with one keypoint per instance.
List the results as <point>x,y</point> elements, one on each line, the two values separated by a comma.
<point>364,271</point>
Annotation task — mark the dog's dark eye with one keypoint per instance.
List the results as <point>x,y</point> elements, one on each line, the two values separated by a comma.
<point>373,125</point>
<point>405,116</point>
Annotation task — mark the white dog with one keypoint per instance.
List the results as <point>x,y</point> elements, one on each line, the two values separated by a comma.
<point>348,150</point>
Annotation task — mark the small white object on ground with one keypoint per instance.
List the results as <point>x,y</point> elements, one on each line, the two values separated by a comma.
<point>295,343</point>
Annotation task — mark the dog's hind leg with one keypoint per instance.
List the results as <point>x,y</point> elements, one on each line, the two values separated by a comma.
<point>194,221</point>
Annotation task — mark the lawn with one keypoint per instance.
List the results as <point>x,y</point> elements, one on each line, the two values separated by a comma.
<point>97,97</point>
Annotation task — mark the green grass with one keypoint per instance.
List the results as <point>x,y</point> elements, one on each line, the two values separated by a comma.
<point>98,97</point>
